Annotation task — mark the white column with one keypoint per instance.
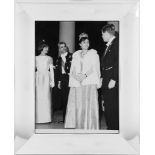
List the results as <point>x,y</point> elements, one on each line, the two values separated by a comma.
<point>116,23</point>
<point>67,34</point>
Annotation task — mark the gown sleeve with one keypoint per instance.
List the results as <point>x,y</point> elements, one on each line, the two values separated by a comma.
<point>73,66</point>
<point>96,69</point>
<point>51,69</point>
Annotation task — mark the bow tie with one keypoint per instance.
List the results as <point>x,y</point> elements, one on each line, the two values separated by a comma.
<point>64,55</point>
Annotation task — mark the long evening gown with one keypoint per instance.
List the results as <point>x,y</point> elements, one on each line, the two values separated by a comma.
<point>82,108</point>
<point>44,75</point>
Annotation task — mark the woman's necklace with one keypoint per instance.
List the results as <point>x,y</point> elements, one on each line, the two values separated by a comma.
<point>83,53</point>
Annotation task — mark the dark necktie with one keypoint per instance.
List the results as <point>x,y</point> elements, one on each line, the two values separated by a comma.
<point>106,50</point>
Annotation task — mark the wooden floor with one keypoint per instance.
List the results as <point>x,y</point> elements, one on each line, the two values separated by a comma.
<point>57,122</point>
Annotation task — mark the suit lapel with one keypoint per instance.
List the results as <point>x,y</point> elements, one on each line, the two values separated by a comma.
<point>67,56</point>
<point>107,49</point>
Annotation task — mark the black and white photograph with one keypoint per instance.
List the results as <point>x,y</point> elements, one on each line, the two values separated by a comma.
<point>77,75</point>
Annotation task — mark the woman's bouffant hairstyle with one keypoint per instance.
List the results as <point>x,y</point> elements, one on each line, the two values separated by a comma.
<point>41,46</point>
<point>82,37</point>
<point>110,28</point>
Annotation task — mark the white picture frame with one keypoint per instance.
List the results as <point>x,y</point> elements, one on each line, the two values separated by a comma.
<point>127,13</point>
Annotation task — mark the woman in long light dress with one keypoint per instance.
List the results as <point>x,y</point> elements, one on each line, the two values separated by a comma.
<point>82,108</point>
<point>44,80</point>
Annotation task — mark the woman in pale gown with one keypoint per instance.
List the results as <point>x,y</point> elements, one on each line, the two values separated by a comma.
<point>44,80</point>
<point>82,108</point>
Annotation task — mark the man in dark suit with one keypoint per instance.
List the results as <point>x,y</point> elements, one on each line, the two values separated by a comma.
<point>63,65</point>
<point>109,72</point>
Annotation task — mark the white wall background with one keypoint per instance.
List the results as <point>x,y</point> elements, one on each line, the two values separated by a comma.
<point>126,13</point>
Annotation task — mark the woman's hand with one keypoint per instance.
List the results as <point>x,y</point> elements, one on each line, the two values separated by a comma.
<point>51,84</point>
<point>101,80</point>
<point>80,77</point>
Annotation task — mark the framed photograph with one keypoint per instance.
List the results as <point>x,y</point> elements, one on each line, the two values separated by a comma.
<point>77,76</point>
<point>60,110</point>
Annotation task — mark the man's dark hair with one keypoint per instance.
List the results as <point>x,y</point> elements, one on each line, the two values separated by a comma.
<point>110,28</point>
<point>60,43</point>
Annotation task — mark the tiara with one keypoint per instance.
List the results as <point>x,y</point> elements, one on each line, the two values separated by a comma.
<point>82,35</point>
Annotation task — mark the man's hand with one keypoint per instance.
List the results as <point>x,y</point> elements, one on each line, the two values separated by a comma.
<point>59,84</point>
<point>102,105</point>
<point>111,84</point>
